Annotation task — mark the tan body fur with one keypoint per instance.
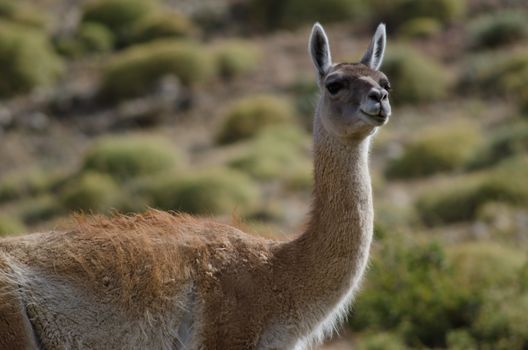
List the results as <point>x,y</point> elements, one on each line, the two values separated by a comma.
<point>163,281</point>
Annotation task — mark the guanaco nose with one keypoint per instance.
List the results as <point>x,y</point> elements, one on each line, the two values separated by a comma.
<point>378,95</point>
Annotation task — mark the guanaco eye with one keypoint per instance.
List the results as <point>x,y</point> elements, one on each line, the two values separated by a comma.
<point>386,85</point>
<point>334,87</point>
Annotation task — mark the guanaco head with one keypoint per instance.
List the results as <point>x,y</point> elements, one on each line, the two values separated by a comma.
<point>354,98</point>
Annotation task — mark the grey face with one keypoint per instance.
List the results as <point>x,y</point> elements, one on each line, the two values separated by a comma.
<point>355,99</point>
<point>354,96</point>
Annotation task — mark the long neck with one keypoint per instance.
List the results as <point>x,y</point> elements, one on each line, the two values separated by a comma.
<point>330,256</point>
<point>342,214</point>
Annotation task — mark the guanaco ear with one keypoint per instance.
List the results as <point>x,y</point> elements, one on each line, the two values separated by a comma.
<point>374,55</point>
<point>320,50</point>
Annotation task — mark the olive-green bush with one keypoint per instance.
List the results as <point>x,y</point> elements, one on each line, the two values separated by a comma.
<point>497,74</point>
<point>505,142</point>
<point>40,208</point>
<point>280,154</point>
<point>235,57</point>
<point>498,29</point>
<point>502,323</point>
<point>273,14</point>
<point>461,339</point>
<point>211,192</point>
<point>415,77</point>
<point>249,115</point>
<point>163,25</point>
<point>90,192</point>
<point>10,225</point>
<point>396,12</point>
<point>22,13</point>
<point>411,290</point>
<point>461,200</point>
<point>433,295</point>
<point>126,157</point>
<point>440,149</point>
<point>305,92</point>
<point>486,264</point>
<point>28,183</point>
<point>94,37</point>
<point>380,341</point>
<point>119,16</point>
<point>20,72</point>
<point>136,70</point>
<point>420,27</point>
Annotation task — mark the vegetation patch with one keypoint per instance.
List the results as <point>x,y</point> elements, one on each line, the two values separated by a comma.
<point>505,142</point>
<point>206,193</point>
<point>408,69</point>
<point>436,150</point>
<point>234,58</point>
<point>126,157</point>
<point>29,183</point>
<point>169,24</point>
<point>136,70</point>
<point>411,290</point>
<point>20,72</point>
<point>399,11</point>
<point>420,28</point>
<point>498,29</point>
<point>90,192</point>
<point>498,74</point>
<point>40,209</point>
<point>119,16</point>
<point>278,154</point>
<point>10,225</point>
<point>248,116</point>
<point>461,200</point>
<point>273,14</point>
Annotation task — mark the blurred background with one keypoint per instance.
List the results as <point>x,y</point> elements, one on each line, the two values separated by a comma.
<point>206,107</point>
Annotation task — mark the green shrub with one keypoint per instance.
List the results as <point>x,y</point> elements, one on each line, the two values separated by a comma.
<point>94,37</point>
<point>90,192</point>
<point>505,142</point>
<point>461,200</point>
<point>119,16</point>
<point>503,322</point>
<point>396,12</point>
<point>498,29</point>
<point>235,58</point>
<point>20,72</point>
<point>249,115</point>
<point>421,27</point>
<point>408,70</point>
<point>273,14</point>
<point>206,193</point>
<point>22,13</point>
<point>497,74</point>
<point>28,183</point>
<point>126,157</point>
<point>10,225</point>
<point>380,341</point>
<point>461,339</point>
<point>436,150</point>
<point>306,92</point>
<point>39,209</point>
<point>486,264</point>
<point>163,25</point>
<point>278,153</point>
<point>136,70</point>
<point>411,289</point>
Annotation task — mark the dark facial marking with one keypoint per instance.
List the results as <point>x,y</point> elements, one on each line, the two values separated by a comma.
<point>384,83</point>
